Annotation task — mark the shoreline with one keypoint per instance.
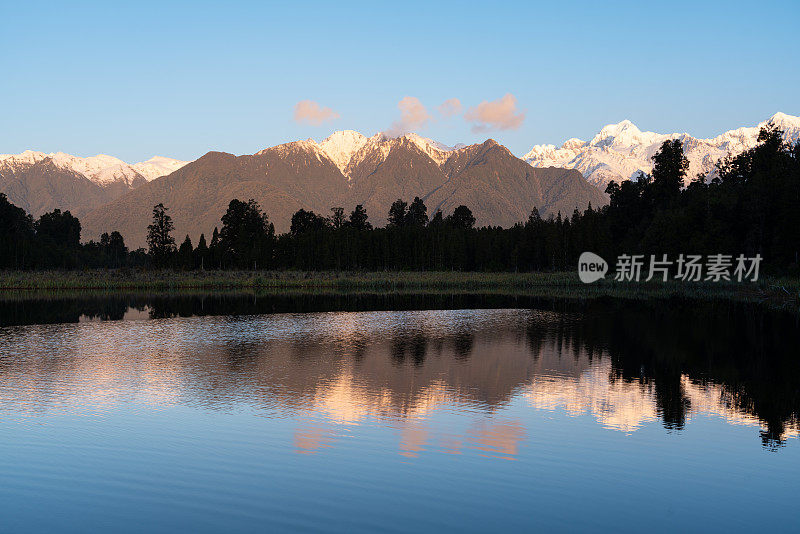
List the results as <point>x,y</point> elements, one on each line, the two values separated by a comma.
<point>778,291</point>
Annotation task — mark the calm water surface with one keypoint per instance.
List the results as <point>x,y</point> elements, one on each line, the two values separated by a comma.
<point>609,415</point>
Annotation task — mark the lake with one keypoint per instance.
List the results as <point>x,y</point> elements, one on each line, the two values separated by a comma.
<point>241,413</point>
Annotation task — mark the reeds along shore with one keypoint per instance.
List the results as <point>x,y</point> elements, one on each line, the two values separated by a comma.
<point>558,284</point>
<point>329,280</point>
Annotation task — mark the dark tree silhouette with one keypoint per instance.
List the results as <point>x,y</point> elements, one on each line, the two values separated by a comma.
<point>113,246</point>
<point>337,218</point>
<point>397,213</point>
<point>61,228</point>
<point>186,254</point>
<point>306,221</point>
<point>215,250</point>
<point>16,235</point>
<point>160,242</point>
<point>358,219</point>
<point>247,238</point>
<point>462,218</point>
<point>201,253</point>
<point>417,214</point>
<point>669,169</point>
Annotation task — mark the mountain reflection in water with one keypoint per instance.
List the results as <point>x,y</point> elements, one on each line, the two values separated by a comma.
<point>336,374</point>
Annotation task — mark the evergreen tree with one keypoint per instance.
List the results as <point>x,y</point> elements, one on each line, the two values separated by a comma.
<point>58,237</point>
<point>16,235</point>
<point>462,218</point>
<point>214,251</point>
<point>669,169</point>
<point>247,238</point>
<point>337,218</point>
<point>417,214</point>
<point>61,228</point>
<point>306,221</point>
<point>114,249</point>
<point>358,219</point>
<point>160,242</point>
<point>186,254</point>
<point>201,253</point>
<point>397,213</point>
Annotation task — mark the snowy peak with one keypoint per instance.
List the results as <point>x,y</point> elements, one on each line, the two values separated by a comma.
<point>29,157</point>
<point>620,151</point>
<point>624,128</point>
<point>375,150</point>
<point>158,166</point>
<point>348,149</point>
<point>572,143</point>
<point>437,151</point>
<point>784,121</point>
<point>341,146</point>
<point>101,169</point>
<point>624,135</point>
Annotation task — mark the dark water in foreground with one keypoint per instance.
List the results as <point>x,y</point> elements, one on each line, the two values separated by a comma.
<point>238,413</point>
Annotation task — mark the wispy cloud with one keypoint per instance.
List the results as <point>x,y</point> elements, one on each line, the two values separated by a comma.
<point>310,112</point>
<point>450,107</point>
<point>499,114</point>
<point>413,116</point>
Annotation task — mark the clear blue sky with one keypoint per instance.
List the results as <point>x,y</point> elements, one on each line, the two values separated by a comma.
<point>179,79</point>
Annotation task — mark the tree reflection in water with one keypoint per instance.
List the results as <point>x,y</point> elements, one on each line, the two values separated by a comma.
<point>626,363</point>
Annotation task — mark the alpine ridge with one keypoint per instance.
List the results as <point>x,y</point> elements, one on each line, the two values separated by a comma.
<point>348,168</point>
<point>620,151</point>
<point>344,170</point>
<point>41,182</point>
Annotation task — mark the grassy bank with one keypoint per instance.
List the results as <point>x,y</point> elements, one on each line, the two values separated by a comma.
<point>567,285</point>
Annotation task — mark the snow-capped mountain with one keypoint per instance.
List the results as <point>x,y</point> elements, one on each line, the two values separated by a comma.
<point>345,170</point>
<point>620,151</point>
<point>349,149</point>
<point>102,170</point>
<point>157,166</point>
<point>340,146</point>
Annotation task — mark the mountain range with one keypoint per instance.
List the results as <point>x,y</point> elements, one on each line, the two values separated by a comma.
<point>39,182</point>
<point>620,151</point>
<point>344,170</point>
<point>348,168</point>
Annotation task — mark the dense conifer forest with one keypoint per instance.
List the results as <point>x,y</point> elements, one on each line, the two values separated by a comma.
<point>751,205</point>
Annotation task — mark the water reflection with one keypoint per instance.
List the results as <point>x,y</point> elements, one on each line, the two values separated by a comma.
<point>479,373</point>
<point>47,308</point>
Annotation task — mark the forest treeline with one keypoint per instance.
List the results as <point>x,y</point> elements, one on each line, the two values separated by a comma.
<point>750,206</point>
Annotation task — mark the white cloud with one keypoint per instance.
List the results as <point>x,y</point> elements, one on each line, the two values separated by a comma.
<point>310,112</point>
<point>413,116</point>
<point>450,107</point>
<point>499,114</point>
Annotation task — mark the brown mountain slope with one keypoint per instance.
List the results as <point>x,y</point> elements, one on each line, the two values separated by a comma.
<point>499,188</point>
<point>502,190</point>
<point>405,173</point>
<point>42,186</point>
<point>567,189</point>
<point>282,179</point>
